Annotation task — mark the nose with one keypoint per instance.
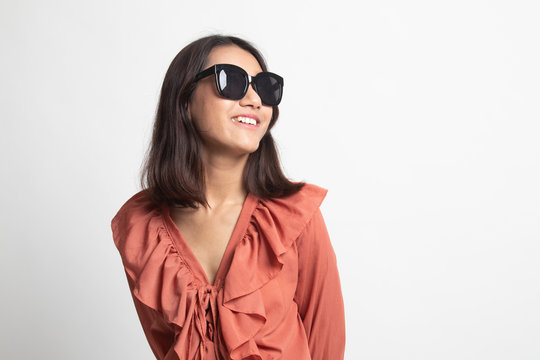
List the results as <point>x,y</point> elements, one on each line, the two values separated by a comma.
<point>251,98</point>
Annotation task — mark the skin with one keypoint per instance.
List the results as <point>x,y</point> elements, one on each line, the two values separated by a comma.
<point>225,150</point>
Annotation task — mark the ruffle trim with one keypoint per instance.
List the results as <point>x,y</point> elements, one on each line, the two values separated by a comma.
<point>162,279</point>
<point>164,282</point>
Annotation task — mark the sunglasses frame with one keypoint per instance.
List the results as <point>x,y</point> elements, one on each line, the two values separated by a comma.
<point>215,69</point>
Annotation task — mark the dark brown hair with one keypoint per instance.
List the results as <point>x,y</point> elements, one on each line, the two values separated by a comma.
<point>173,171</point>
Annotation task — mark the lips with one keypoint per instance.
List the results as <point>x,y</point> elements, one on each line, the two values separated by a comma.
<point>246,119</point>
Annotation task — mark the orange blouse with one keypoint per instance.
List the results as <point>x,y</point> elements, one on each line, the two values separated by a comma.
<point>277,293</point>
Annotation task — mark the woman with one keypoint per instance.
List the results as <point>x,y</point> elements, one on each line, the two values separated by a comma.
<point>225,257</point>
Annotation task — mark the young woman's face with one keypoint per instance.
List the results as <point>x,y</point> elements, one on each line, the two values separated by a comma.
<point>216,118</point>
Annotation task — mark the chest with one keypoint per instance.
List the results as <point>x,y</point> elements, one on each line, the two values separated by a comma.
<point>207,235</point>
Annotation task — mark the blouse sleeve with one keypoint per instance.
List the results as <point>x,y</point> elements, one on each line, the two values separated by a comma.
<point>158,332</point>
<point>318,293</point>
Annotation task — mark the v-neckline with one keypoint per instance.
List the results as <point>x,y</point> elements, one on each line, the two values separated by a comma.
<point>238,231</point>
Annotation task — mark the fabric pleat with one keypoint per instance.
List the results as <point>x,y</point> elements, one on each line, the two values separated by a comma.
<point>248,305</point>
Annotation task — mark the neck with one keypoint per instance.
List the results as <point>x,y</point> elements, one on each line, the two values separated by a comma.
<point>224,179</point>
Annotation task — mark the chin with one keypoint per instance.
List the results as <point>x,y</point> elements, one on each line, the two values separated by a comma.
<point>248,148</point>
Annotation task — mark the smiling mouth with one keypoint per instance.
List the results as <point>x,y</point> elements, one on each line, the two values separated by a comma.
<point>245,120</point>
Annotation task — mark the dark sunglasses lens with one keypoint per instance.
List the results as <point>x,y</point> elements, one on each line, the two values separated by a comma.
<point>232,84</point>
<point>269,89</point>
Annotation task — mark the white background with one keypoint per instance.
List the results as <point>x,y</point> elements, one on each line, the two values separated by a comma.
<point>420,117</point>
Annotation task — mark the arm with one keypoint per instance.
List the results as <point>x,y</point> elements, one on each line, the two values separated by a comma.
<point>159,333</point>
<point>318,293</point>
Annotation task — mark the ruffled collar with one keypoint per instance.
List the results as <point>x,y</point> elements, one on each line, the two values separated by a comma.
<point>168,278</point>
<point>249,205</point>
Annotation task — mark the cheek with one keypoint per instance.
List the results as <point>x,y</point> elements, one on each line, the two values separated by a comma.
<point>203,114</point>
<point>268,115</point>
<point>200,106</point>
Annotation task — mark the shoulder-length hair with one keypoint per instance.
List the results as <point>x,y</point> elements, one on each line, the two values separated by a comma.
<point>173,170</point>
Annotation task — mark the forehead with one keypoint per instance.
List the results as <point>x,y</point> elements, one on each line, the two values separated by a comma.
<point>232,54</point>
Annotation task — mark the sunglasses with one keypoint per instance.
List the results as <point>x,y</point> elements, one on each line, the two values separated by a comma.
<point>232,83</point>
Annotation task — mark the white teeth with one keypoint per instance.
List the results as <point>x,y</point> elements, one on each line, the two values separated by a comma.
<point>245,120</point>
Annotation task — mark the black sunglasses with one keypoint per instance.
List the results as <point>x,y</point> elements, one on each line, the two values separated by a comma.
<point>232,83</point>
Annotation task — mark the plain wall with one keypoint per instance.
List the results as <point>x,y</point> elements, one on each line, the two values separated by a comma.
<point>420,117</point>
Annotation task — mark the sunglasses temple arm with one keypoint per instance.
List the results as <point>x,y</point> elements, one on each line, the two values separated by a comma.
<point>205,73</point>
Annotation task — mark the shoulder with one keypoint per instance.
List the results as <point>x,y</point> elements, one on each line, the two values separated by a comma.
<point>302,203</point>
<point>288,216</point>
<point>139,201</point>
<point>308,197</point>
<point>134,217</point>
<point>308,193</point>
